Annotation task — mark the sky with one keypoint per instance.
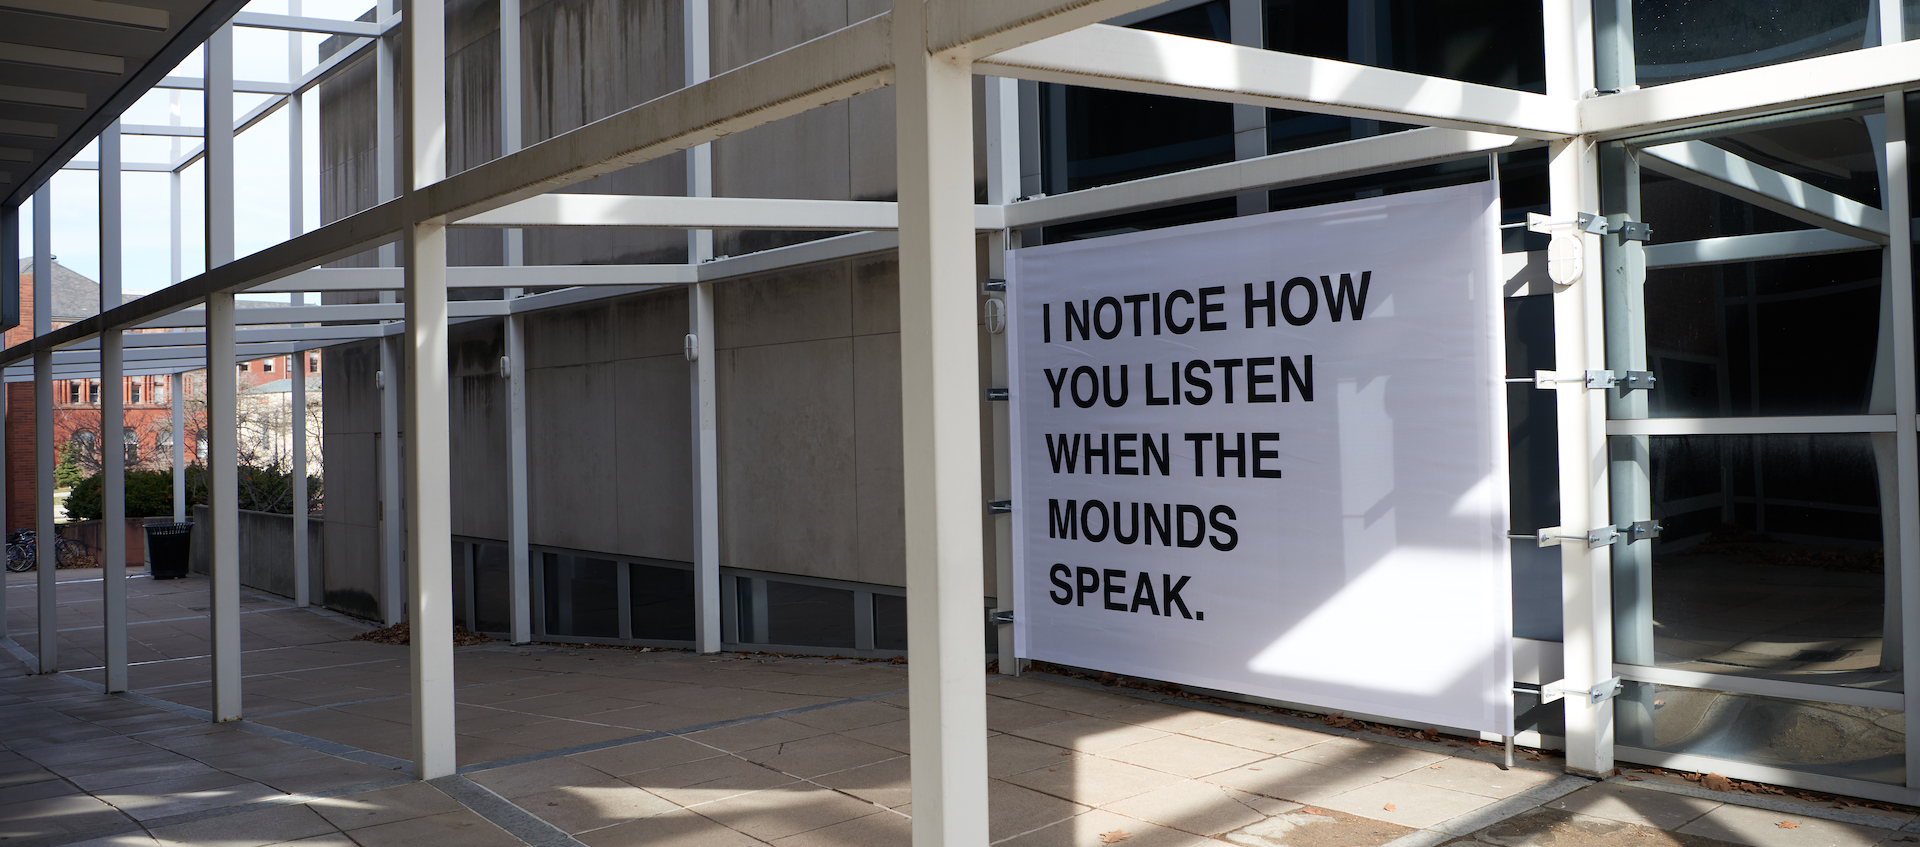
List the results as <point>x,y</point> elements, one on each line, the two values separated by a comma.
<point>262,170</point>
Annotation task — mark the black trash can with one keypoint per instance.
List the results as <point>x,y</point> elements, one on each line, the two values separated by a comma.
<point>169,549</point>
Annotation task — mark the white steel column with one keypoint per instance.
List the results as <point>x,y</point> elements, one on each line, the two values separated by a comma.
<point>385,115</point>
<point>519,564</point>
<point>113,453</point>
<point>1579,343</point>
<point>10,278</point>
<point>1248,22</point>
<point>940,416</point>
<point>706,471</point>
<point>696,43</point>
<point>302,572</point>
<point>176,398</point>
<point>429,510</point>
<point>1003,186</point>
<point>223,455</point>
<point>43,455</point>
<point>514,248</point>
<point>1899,204</point>
<point>392,574</point>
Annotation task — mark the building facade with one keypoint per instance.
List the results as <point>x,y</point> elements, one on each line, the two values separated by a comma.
<point>707,424</point>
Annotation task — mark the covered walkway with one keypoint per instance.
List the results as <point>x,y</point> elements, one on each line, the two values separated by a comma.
<point>606,747</point>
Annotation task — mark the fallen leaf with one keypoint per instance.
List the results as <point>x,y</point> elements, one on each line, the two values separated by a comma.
<point>1631,778</point>
<point>1388,807</point>
<point>1716,782</point>
<point>1253,769</point>
<point>1114,837</point>
<point>1533,758</point>
<point>1313,811</point>
<point>1433,767</point>
<point>1787,825</point>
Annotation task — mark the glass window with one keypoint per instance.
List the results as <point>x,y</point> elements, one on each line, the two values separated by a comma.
<point>1781,337</point>
<point>583,597</point>
<point>808,615</point>
<point>662,602</point>
<point>131,440</point>
<point>1770,563</point>
<point>73,392</point>
<point>1854,742</point>
<point>460,587</point>
<point>1684,39</point>
<point>93,392</point>
<point>1092,136</point>
<point>889,622</point>
<point>133,392</point>
<point>1501,42</point>
<point>492,591</point>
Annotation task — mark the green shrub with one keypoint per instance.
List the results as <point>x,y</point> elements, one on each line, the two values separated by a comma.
<point>150,493</point>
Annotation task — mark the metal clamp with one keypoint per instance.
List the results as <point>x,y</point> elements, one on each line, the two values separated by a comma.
<point>999,507</point>
<point>991,284</point>
<point>997,394</point>
<point>1000,616</point>
<point>1641,529</point>
<point>1553,535</point>
<point>1601,692</point>
<point>1640,231</point>
<point>1625,380</point>
<point>1583,222</point>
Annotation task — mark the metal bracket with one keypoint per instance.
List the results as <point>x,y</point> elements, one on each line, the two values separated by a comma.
<point>1640,231</point>
<point>1553,535</point>
<point>1583,222</point>
<point>999,507</point>
<point>1641,529</point>
<point>1626,380</point>
<point>992,284</point>
<point>1599,693</point>
<point>997,394</point>
<point>1000,616</point>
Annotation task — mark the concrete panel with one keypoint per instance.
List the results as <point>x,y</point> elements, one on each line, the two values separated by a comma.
<point>655,457</point>
<point>351,581</point>
<point>572,336</point>
<point>353,403</point>
<point>652,325</point>
<point>787,458</point>
<point>879,504</point>
<point>571,467</point>
<point>586,59</point>
<point>800,305</point>
<point>872,164</point>
<point>353,492</point>
<point>876,294</point>
<point>746,30</point>
<point>477,436</point>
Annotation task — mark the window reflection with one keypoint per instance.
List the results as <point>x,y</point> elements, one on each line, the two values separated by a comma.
<point>1683,39</point>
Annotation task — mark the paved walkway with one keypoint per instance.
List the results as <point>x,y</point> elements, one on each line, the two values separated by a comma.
<point>613,747</point>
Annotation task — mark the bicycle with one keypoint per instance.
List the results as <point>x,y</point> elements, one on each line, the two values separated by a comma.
<point>23,551</point>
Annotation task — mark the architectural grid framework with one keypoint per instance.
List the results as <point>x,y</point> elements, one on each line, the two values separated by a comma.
<point>1597,128</point>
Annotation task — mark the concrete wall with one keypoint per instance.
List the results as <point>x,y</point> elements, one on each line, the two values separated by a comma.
<point>266,551</point>
<point>807,361</point>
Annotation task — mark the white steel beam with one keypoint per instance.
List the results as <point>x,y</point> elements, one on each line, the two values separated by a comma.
<point>1841,77</point>
<point>1755,247</point>
<point>266,315</point>
<point>391,279</point>
<point>301,23</point>
<point>1179,66</point>
<point>979,28</point>
<point>1002,131</point>
<point>1714,169</point>
<point>704,213</point>
<point>1314,164</point>
<point>940,418</point>
<point>706,470</point>
<point>113,495</point>
<point>429,460</point>
<point>243,86</point>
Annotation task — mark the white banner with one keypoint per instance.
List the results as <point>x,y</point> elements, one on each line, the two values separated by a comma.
<point>1267,455</point>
